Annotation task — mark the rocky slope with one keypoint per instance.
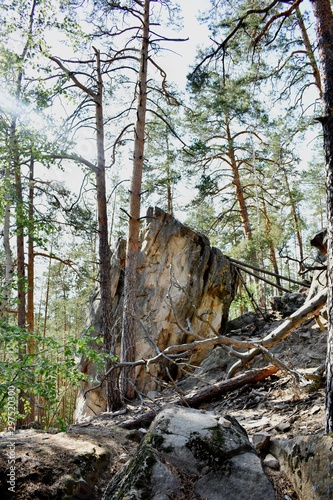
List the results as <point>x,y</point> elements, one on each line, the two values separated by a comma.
<point>81,462</point>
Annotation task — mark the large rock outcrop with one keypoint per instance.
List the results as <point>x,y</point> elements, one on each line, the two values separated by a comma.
<point>190,454</point>
<point>182,283</point>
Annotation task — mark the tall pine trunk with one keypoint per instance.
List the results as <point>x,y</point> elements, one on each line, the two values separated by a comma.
<point>114,401</point>
<point>296,218</point>
<point>113,394</point>
<point>243,210</point>
<point>324,28</point>
<point>269,239</point>
<point>30,313</point>
<point>133,244</point>
<point>309,49</point>
<point>6,244</point>
<point>21,284</point>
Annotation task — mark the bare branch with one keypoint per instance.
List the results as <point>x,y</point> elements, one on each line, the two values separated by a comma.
<point>168,125</point>
<point>222,46</point>
<point>72,76</point>
<point>74,157</point>
<point>243,264</point>
<point>310,309</point>
<point>280,15</point>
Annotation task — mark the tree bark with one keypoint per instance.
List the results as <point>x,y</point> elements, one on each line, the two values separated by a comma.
<point>30,316</point>
<point>133,243</point>
<point>216,390</point>
<point>269,239</point>
<point>296,219</point>
<point>31,260</point>
<point>324,29</point>
<point>247,229</point>
<point>114,400</point>
<point>113,395</point>
<point>7,249</point>
<point>309,49</point>
<point>21,284</point>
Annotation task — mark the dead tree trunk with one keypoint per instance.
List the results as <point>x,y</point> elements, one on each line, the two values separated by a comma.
<point>206,394</point>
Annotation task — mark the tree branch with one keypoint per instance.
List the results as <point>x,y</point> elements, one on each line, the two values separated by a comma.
<point>74,157</point>
<point>71,75</point>
<point>308,310</point>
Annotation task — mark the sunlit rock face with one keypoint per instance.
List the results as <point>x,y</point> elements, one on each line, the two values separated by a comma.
<point>184,286</point>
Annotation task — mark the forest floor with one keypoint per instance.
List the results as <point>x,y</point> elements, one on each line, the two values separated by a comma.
<point>48,464</point>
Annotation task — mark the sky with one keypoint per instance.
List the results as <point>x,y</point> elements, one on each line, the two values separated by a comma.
<point>183,53</point>
<point>175,62</point>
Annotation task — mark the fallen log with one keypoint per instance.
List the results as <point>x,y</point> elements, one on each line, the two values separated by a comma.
<point>213,391</point>
<point>309,309</point>
<point>205,394</point>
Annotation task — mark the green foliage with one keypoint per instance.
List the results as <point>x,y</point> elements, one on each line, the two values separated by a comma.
<point>207,185</point>
<point>242,302</point>
<point>45,375</point>
<point>197,80</point>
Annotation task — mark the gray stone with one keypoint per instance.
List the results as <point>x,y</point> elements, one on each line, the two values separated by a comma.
<point>163,482</point>
<point>308,463</point>
<point>242,321</point>
<point>271,462</point>
<point>242,477</point>
<point>283,426</point>
<point>287,303</point>
<point>261,441</point>
<point>213,367</point>
<point>153,394</point>
<point>187,452</point>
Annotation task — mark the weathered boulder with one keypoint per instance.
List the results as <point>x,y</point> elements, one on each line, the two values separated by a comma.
<point>246,319</point>
<point>193,455</point>
<point>308,463</point>
<point>182,283</point>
